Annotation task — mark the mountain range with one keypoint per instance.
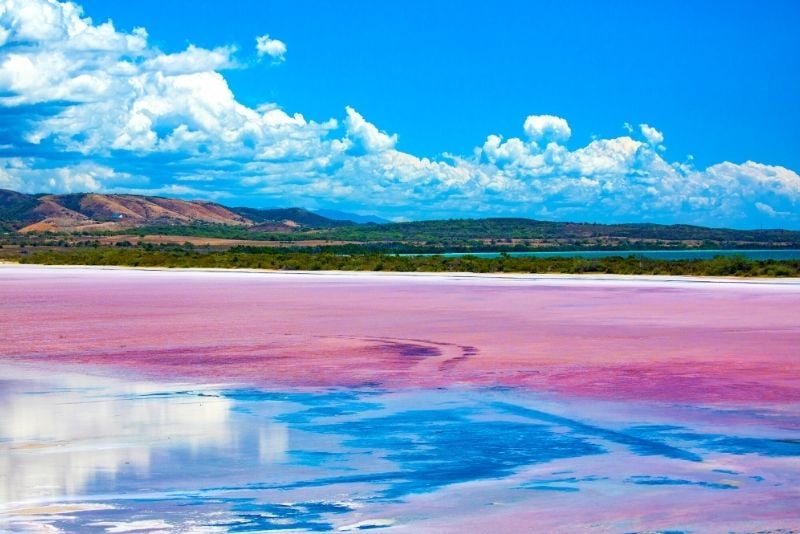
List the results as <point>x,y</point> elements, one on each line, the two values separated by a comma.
<point>91,211</point>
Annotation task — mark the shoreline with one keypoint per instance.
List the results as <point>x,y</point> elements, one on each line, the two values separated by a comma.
<point>420,275</point>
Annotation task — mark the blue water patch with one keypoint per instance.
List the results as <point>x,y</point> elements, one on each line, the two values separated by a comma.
<point>720,443</point>
<point>725,471</point>
<point>564,489</point>
<point>639,445</point>
<point>556,484</point>
<point>308,398</point>
<point>331,460</point>
<point>343,408</point>
<point>565,480</point>
<point>306,516</point>
<point>764,447</point>
<point>435,448</point>
<point>647,480</point>
<point>695,254</point>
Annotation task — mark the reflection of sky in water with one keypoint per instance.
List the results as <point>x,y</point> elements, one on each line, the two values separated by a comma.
<point>149,456</point>
<point>59,441</point>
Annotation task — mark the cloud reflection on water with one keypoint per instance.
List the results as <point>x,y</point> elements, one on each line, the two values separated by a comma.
<point>57,439</point>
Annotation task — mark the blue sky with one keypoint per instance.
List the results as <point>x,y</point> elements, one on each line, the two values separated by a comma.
<point>588,111</point>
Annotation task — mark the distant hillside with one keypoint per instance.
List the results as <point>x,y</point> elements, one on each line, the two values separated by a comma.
<point>90,211</point>
<point>16,209</point>
<point>146,215</point>
<point>299,216</point>
<point>461,230</point>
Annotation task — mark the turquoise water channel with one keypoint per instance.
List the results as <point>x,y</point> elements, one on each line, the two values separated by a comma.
<point>782,254</point>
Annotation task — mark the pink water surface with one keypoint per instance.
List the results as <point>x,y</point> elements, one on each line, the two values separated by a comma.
<point>650,404</point>
<point>698,342</point>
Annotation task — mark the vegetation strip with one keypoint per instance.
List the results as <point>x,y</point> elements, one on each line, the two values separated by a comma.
<point>258,258</point>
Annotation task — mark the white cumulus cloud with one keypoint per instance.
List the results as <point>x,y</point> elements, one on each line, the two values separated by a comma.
<point>547,128</point>
<point>653,136</point>
<point>111,112</point>
<point>22,175</point>
<point>193,59</point>
<point>365,135</point>
<point>273,48</point>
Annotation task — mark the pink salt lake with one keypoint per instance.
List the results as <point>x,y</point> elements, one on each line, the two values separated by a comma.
<point>649,403</point>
